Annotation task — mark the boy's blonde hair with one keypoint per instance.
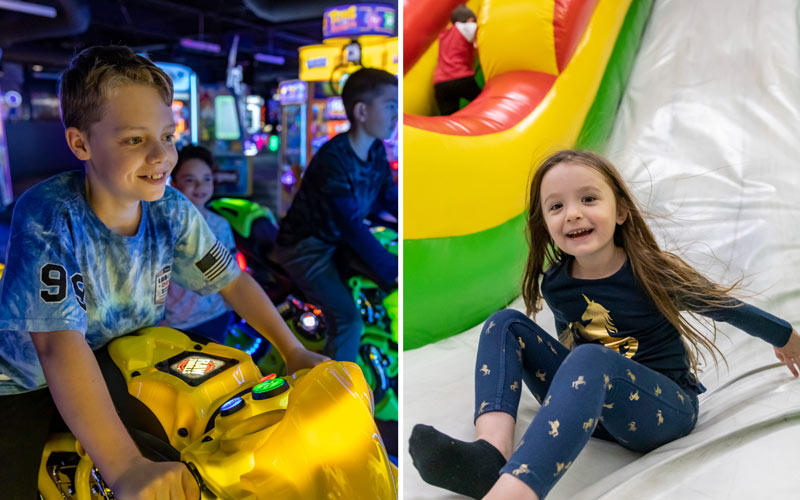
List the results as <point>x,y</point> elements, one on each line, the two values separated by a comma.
<point>94,73</point>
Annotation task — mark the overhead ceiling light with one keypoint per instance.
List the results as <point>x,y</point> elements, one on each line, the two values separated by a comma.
<point>267,58</point>
<point>28,8</point>
<point>37,67</point>
<point>198,45</point>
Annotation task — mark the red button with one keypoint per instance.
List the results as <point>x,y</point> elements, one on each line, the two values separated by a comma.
<point>268,377</point>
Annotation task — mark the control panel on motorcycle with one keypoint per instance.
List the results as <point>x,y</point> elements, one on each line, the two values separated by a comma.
<point>194,368</point>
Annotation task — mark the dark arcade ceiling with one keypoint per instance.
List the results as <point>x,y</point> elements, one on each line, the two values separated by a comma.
<point>270,27</point>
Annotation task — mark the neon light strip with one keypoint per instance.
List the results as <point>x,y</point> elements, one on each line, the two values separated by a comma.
<point>193,104</point>
<point>28,8</point>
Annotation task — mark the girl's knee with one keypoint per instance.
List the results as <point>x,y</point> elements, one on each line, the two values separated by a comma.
<point>594,355</point>
<point>500,320</point>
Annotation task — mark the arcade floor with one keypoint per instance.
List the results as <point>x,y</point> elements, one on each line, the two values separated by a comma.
<point>706,137</point>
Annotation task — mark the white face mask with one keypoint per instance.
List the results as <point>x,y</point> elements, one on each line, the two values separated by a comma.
<point>468,30</point>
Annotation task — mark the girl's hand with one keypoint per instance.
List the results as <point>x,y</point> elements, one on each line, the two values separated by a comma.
<point>790,353</point>
<point>303,358</point>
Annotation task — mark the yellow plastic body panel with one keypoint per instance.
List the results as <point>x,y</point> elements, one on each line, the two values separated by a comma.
<point>317,439</point>
<point>458,185</point>
<point>176,404</point>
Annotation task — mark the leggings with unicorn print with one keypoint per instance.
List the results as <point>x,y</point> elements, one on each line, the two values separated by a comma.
<point>589,391</point>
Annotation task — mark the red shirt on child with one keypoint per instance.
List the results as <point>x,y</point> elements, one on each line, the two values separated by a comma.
<point>456,56</point>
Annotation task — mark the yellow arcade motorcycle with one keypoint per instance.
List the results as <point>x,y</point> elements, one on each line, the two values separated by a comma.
<point>243,436</point>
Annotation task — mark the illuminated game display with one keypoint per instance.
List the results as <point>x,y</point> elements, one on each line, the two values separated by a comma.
<point>194,368</point>
<point>184,102</point>
<point>6,196</point>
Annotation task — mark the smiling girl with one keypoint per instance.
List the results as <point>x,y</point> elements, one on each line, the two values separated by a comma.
<point>625,369</point>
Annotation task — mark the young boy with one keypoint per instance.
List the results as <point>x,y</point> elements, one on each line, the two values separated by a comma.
<point>454,75</point>
<point>208,316</point>
<point>90,257</point>
<point>347,178</point>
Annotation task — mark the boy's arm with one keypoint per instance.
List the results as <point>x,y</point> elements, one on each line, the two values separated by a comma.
<point>361,240</point>
<point>81,396</point>
<point>251,303</point>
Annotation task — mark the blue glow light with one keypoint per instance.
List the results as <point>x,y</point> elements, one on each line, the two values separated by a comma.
<point>231,403</point>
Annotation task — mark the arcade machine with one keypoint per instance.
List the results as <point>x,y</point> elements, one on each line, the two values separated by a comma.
<point>354,36</point>
<point>234,176</point>
<point>294,154</point>
<point>184,102</point>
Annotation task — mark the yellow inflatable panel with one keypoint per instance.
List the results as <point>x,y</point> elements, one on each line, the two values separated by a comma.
<point>418,97</point>
<point>515,35</point>
<point>458,185</point>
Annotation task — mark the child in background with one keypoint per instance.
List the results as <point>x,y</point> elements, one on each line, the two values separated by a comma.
<point>617,297</point>
<point>90,258</point>
<point>454,76</point>
<point>208,316</point>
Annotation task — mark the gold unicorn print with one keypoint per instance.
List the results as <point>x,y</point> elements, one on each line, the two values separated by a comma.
<point>489,328</point>
<point>632,426</point>
<point>601,329</point>
<point>547,400</point>
<point>609,406</point>
<point>680,396</point>
<point>485,369</point>
<point>578,383</point>
<point>539,339</point>
<point>632,376</point>
<point>561,467</point>
<point>634,396</point>
<point>519,354</point>
<point>540,375</point>
<point>483,405</point>
<point>600,419</point>
<point>607,381</point>
<point>552,348</point>
<point>660,417</point>
<point>553,427</point>
<point>521,343</point>
<point>522,469</point>
<point>515,385</point>
<point>588,424</point>
<point>658,390</point>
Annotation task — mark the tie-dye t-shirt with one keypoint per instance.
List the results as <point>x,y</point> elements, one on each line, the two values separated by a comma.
<point>66,270</point>
<point>186,309</point>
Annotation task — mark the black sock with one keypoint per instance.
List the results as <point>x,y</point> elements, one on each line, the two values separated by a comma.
<point>470,469</point>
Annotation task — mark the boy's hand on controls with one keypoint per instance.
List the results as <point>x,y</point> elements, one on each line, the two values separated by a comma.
<point>303,358</point>
<point>790,353</point>
<point>148,480</point>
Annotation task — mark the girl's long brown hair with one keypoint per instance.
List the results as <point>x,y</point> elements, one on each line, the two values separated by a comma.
<point>672,284</point>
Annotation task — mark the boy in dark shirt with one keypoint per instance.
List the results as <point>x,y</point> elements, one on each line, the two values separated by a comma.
<point>345,181</point>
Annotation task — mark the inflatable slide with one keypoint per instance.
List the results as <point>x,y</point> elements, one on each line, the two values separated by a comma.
<point>706,137</point>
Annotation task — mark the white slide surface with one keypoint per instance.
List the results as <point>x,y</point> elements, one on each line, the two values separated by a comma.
<point>708,139</point>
